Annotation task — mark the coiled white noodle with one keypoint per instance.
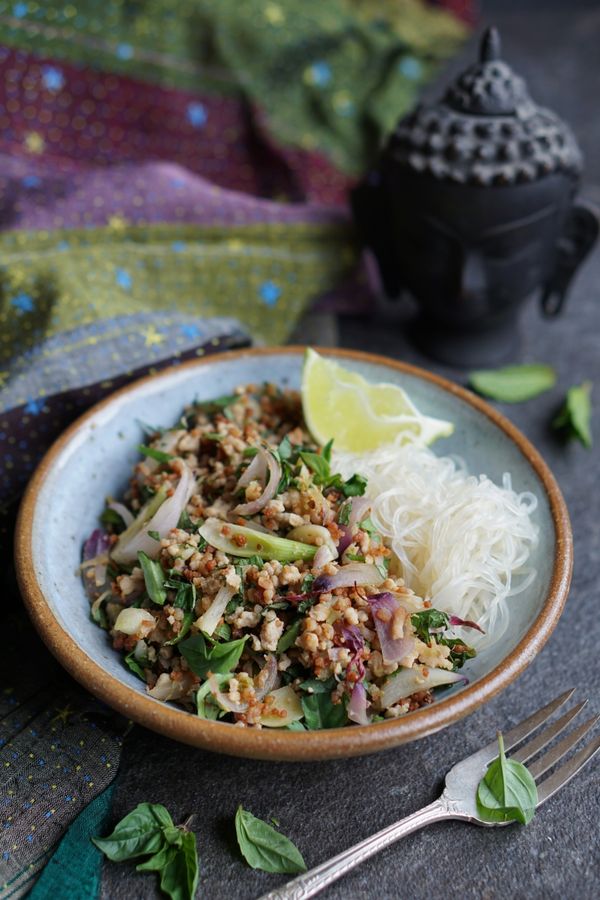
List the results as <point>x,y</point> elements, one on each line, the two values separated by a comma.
<point>462,541</point>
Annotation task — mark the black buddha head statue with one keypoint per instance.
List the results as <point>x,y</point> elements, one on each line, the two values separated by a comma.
<point>471,208</point>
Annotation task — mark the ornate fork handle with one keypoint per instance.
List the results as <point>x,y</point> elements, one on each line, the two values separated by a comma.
<point>310,883</point>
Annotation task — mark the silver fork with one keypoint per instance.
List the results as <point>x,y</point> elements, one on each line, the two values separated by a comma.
<point>458,799</point>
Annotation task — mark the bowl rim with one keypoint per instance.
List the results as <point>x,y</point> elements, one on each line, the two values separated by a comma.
<point>277,744</point>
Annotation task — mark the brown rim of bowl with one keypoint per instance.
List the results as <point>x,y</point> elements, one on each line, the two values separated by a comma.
<point>288,745</point>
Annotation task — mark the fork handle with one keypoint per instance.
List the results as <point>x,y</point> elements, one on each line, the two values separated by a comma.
<point>310,883</point>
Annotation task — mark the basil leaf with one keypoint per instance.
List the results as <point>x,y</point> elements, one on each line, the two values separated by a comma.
<point>317,464</point>
<point>513,384</point>
<point>206,705</point>
<point>507,791</point>
<point>132,663</point>
<point>427,619</point>
<point>326,452</point>
<point>221,658</point>
<point>459,651</point>
<point>223,631</point>
<point>155,863</point>
<point>179,874</point>
<point>112,517</point>
<point>576,413</point>
<point>140,832</point>
<point>318,687</point>
<point>213,436</point>
<point>287,639</point>
<point>186,624</point>
<point>155,535</point>
<point>158,455</point>
<point>186,596</point>
<point>186,524</point>
<point>154,578</point>
<point>320,712</point>
<point>355,486</point>
<point>295,726</point>
<point>249,452</point>
<point>265,848</point>
<point>217,405</point>
<point>285,449</point>
<point>344,514</point>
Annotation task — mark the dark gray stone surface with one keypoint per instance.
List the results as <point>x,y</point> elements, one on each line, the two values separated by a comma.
<point>326,807</point>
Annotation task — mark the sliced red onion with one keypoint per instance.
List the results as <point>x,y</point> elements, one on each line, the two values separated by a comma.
<point>164,519</point>
<point>209,620</point>
<point>223,700</point>
<point>358,706</point>
<point>348,576</point>
<point>408,681</point>
<point>96,545</point>
<point>270,490</point>
<point>392,649</point>
<point>351,636</point>
<point>464,623</point>
<point>122,511</point>
<point>345,538</point>
<point>266,678</point>
<point>256,471</point>
<point>322,557</point>
<point>359,510</point>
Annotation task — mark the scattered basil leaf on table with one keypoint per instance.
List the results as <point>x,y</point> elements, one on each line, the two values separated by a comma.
<point>265,848</point>
<point>507,791</point>
<point>171,849</point>
<point>513,384</point>
<point>574,417</point>
<point>154,578</point>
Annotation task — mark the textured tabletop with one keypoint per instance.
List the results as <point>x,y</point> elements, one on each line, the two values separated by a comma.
<point>325,807</point>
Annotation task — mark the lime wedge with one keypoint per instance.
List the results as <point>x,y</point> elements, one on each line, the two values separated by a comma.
<point>358,415</point>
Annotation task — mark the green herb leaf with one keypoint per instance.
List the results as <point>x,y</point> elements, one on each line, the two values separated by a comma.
<point>112,517</point>
<point>575,416</point>
<point>213,436</point>
<point>316,686</point>
<point>507,791</point>
<point>186,524</point>
<point>317,464</point>
<point>217,405</point>
<point>326,452</point>
<point>186,596</point>
<point>459,651</point>
<point>133,664</point>
<point>288,637</point>
<point>427,619</point>
<point>220,658</point>
<point>155,863</point>
<point>320,712</point>
<point>355,486</point>
<point>158,455</point>
<point>154,578</point>
<point>264,848</point>
<point>285,449</point>
<point>206,705</point>
<point>155,535</point>
<point>140,832</point>
<point>249,452</point>
<point>513,384</point>
<point>179,874</point>
<point>344,514</point>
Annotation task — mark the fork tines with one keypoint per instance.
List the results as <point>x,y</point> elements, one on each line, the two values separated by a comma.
<point>541,765</point>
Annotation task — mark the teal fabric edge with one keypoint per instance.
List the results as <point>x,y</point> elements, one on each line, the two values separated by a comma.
<point>75,869</point>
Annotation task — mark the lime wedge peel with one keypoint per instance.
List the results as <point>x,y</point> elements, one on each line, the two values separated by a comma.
<point>359,415</point>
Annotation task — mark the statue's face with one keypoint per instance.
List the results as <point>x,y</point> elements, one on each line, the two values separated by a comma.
<point>470,254</point>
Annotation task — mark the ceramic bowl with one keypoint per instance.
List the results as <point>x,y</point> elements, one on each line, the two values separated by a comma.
<point>94,457</point>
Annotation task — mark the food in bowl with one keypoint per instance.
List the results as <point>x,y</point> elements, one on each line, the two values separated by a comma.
<point>256,576</point>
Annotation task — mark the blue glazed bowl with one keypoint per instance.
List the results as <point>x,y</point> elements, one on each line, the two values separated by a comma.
<point>94,457</point>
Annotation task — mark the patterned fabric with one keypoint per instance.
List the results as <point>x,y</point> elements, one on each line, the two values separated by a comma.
<point>173,178</point>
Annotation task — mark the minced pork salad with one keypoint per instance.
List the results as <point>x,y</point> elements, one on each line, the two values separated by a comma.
<point>244,580</point>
